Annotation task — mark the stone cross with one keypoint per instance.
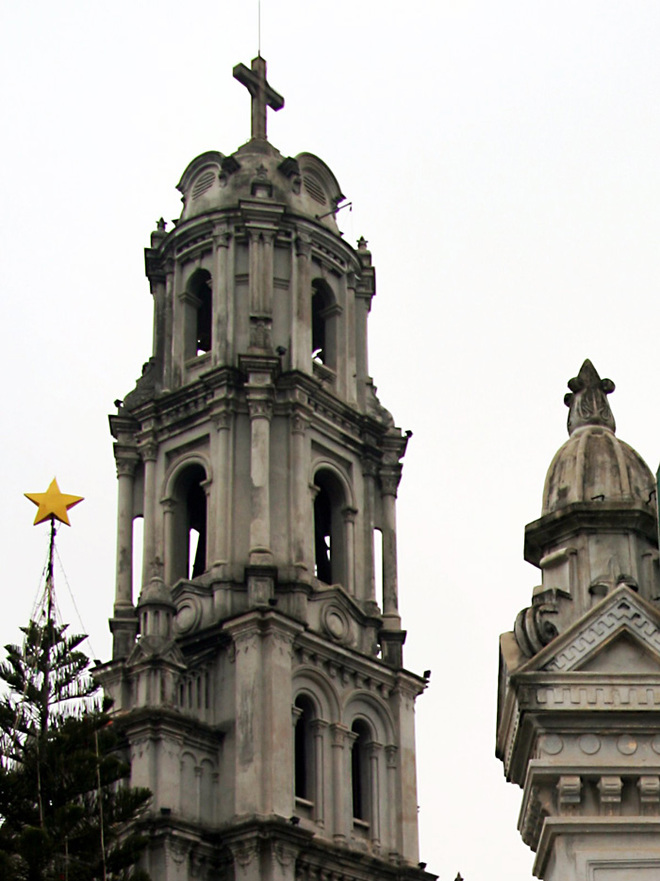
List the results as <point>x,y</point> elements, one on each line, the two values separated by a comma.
<point>263,95</point>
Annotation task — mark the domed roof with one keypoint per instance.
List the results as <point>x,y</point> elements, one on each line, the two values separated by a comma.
<point>594,465</point>
<point>258,172</point>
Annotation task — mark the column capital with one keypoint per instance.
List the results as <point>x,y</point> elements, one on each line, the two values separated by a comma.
<point>222,238</point>
<point>390,477</point>
<point>126,465</point>
<point>300,421</point>
<point>222,419</point>
<point>148,451</point>
<point>303,246</point>
<point>391,752</point>
<point>340,735</point>
<point>260,403</point>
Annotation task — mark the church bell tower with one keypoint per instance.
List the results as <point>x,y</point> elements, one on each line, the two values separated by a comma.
<point>579,693</point>
<point>257,668</point>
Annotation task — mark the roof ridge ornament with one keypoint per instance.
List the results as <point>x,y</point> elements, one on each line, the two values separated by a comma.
<point>263,96</point>
<point>587,400</point>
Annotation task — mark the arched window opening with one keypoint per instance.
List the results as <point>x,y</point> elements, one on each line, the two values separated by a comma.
<point>329,529</point>
<point>304,750</point>
<point>323,325</point>
<point>188,540</point>
<point>196,511</point>
<point>199,318</point>
<point>360,770</point>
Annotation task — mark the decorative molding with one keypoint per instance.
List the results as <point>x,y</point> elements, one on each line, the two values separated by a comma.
<point>149,451</point>
<point>604,695</point>
<point>625,613</point>
<point>569,788</point>
<point>610,788</point>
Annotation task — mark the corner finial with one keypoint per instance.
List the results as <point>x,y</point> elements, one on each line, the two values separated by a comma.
<point>587,402</point>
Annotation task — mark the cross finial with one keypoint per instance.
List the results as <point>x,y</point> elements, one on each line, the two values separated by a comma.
<point>263,95</point>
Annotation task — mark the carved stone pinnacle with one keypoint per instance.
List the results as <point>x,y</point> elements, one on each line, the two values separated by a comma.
<point>587,400</point>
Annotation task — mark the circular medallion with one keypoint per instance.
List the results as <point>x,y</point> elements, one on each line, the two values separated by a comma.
<point>551,744</point>
<point>626,745</point>
<point>589,744</point>
<point>336,623</point>
<point>188,615</point>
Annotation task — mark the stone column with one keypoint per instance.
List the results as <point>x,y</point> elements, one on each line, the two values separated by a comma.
<point>349,532</point>
<point>168,345</point>
<point>150,567</point>
<point>392,801</point>
<point>318,727</point>
<point>124,583</point>
<point>341,776</point>
<point>369,471</point>
<point>302,521</point>
<point>389,480</point>
<point>221,498</point>
<point>260,404</point>
<point>301,338</point>
<point>169,507</point>
<point>373,752</point>
<point>221,239</point>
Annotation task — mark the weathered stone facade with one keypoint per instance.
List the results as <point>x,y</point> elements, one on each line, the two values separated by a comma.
<point>259,678</point>
<point>579,694</point>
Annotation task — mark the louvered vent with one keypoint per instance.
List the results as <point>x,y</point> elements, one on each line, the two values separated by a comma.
<point>203,183</point>
<point>315,190</point>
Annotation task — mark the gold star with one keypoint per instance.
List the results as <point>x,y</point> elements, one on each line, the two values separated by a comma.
<point>53,504</point>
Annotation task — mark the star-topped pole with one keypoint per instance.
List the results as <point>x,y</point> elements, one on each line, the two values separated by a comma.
<point>263,96</point>
<point>53,504</point>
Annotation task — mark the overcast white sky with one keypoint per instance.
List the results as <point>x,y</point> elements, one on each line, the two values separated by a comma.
<point>503,162</point>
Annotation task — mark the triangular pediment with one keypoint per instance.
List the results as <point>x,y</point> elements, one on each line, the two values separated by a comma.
<point>149,649</point>
<point>620,635</point>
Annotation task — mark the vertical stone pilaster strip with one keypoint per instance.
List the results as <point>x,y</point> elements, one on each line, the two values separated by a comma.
<point>392,844</point>
<point>220,335</point>
<point>221,497</point>
<point>266,273</point>
<point>373,751</point>
<point>253,272</point>
<point>302,538</point>
<point>301,340</point>
<point>369,477</point>
<point>168,324</point>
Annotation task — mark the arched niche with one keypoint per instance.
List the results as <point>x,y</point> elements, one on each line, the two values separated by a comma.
<point>198,314</point>
<point>332,507</point>
<point>186,527</point>
<point>325,314</point>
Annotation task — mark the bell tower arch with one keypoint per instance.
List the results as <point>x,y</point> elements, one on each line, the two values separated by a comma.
<point>258,678</point>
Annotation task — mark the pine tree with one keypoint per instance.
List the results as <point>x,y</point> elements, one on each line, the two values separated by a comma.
<point>66,813</point>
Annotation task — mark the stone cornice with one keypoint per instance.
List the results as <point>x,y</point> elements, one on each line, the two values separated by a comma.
<point>554,826</point>
<point>326,246</point>
<point>372,672</point>
<point>151,722</point>
<point>601,517</point>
